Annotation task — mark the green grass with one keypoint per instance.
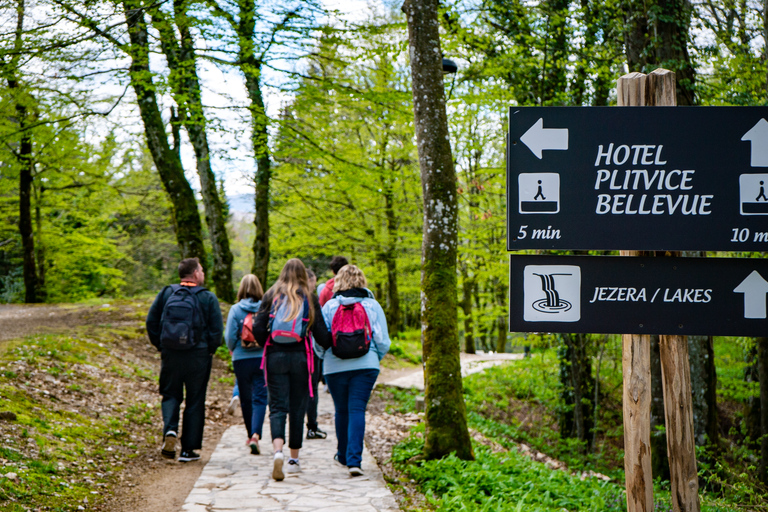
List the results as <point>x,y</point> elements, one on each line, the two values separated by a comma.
<point>519,402</point>
<point>70,438</point>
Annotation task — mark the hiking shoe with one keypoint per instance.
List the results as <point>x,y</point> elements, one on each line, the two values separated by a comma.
<point>254,444</point>
<point>188,456</point>
<point>355,471</point>
<point>169,445</point>
<point>277,467</point>
<point>233,405</point>
<point>316,433</point>
<point>293,466</point>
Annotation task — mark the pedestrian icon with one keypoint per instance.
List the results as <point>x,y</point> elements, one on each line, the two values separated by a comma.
<point>752,192</point>
<point>552,293</point>
<point>539,193</point>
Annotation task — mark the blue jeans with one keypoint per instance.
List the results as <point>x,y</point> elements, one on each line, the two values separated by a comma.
<point>351,391</point>
<point>250,381</point>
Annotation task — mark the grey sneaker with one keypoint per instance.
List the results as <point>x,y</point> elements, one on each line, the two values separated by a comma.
<point>293,467</point>
<point>277,467</point>
<point>169,445</point>
<point>233,405</point>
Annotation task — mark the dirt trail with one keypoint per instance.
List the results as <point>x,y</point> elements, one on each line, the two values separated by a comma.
<point>148,483</point>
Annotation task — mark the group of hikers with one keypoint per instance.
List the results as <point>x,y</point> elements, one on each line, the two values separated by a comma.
<point>282,343</point>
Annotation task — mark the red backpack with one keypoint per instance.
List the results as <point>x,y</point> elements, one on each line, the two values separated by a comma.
<point>247,340</point>
<point>351,330</point>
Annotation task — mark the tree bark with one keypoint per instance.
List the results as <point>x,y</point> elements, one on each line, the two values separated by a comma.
<point>32,285</point>
<point>762,368</point>
<point>445,417</point>
<point>393,297</point>
<point>250,65</point>
<point>186,219</point>
<point>672,25</point>
<point>185,87</point>
<point>704,385</point>
<point>466,305</point>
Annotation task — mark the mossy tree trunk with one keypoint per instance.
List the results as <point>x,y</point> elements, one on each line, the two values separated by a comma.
<point>186,218</point>
<point>185,87</point>
<point>390,258</point>
<point>468,284</point>
<point>445,418</point>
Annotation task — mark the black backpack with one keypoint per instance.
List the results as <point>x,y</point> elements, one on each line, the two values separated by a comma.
<point>180,316</point>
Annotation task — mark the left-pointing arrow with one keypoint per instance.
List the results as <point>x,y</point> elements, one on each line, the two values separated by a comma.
<point>538,138</point>
<point>754,288</point>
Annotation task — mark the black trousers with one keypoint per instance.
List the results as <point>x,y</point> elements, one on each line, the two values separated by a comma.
<point>312,403</point>
<point>182,371</point>
<point>288,383</point>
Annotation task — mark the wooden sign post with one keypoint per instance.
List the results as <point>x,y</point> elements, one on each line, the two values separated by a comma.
<point>656,89</point>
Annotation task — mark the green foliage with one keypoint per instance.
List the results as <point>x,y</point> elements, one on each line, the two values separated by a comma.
<point>503,481</point>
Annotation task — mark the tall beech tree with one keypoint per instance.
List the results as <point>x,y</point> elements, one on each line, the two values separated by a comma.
<point>445,418</point>
<point>185,87</point>
<point>186,219</point>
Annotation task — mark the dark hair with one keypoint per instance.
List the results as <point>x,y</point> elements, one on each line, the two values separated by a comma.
<point>187,267</point>
<point>337,262</point>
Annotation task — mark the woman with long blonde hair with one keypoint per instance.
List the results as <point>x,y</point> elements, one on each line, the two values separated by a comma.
<point>288,320</point>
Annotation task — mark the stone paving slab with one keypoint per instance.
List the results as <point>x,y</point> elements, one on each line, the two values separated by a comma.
<point>234,479</point>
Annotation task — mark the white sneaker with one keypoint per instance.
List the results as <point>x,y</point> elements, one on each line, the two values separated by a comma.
<point>355,471</point>
<point>277,467</point>
<point>293,466</point>
<point>233,405</point>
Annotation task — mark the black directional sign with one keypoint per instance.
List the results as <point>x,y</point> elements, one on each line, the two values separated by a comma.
<point>638,178</point>
<point>613,294</point>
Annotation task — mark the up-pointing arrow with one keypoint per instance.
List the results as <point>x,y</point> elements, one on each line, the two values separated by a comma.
<point>754,288</point>
<point>537,138</point>
<point>759,137</point>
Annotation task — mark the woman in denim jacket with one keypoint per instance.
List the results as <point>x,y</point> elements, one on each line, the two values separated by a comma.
<point>247,361</point>
<point>351,381</point>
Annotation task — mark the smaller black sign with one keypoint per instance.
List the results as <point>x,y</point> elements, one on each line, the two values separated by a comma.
<point>664,295</point>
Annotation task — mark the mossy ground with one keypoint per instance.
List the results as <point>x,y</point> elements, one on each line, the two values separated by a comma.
<point>86,410</point>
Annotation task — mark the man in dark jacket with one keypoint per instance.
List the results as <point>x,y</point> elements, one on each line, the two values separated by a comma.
<point>186,356</point>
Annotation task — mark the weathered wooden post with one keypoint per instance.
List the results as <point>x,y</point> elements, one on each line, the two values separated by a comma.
<point>656,89</point>
<point>636,367</point>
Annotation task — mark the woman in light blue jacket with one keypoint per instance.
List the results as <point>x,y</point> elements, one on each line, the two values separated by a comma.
<point>351,381</point>
<point>247,361</point>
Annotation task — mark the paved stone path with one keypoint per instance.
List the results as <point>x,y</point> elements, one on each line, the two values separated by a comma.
<point>236,480</point>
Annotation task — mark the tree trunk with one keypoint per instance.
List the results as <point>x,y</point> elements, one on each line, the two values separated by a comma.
<point>185,86</point>
<point>466,305</point>
<point>762,368</point>
<point>186,219</point>
<point>39,245</point>
<point>32,285</point>
<point>636,37</point>
<point>672,25</point>
<point>501,334</point>
<point>704,385</point>
<point>554,76</point>
<point>250,66</point>
<point>576,375</point>
<point>393,297</point>
<point>445,417</point>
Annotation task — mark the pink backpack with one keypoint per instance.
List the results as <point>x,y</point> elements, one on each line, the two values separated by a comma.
<point>351,330</point>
